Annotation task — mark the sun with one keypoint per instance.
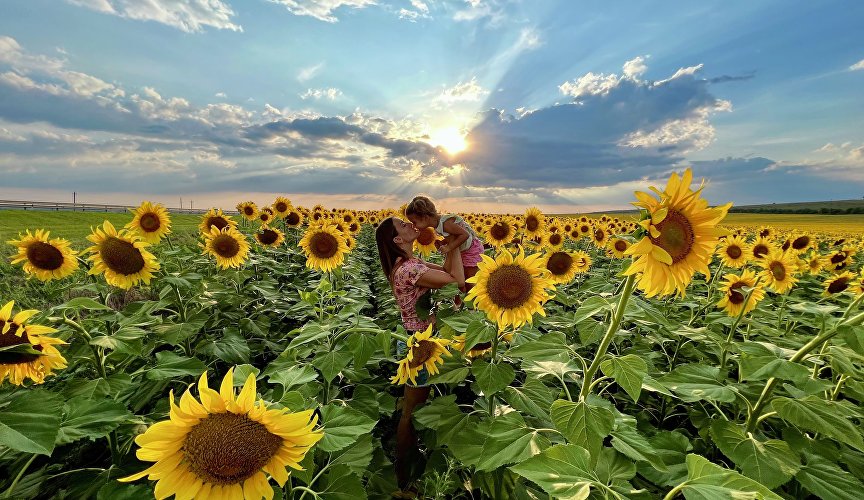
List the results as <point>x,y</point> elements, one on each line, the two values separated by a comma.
<point>450,138</point>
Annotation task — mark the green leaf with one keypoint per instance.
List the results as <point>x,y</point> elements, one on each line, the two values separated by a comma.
<point>443,415</point>
<point>583,424</point>
<point>231,348</point>
<point>628,441</point>
<point>495,442</point>
<point>593,306</point>
<point>292,376</point>
<point>176,333</point>
<point>816,414</point>
<point>89,389</point>
<point>765,367</point>
<point>828,481</point>
<point>694,382</point>
<point>170,365</point>
<point>459,322</point>
<point>492,378</point>
<point>356,457</point>
<point>308,333</point>
<point>242,372</point>
<point>79,303</point>
<point>710,482</point>
<point>628,371</point>
<point>771,462</point>
<point>549,347</point>
<point>533,398</point>
<point>563,471</point>
<point>83,417</point>
<point>340,484</point>
<point>363,346</point>
<point>479,331</point>
<point>613,467</point>
<point>342,427</point>
<point>30,421</point>
<point>331,363</point>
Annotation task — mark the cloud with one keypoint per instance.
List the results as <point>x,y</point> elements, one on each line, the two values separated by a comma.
<point>493,12</point>
<point>317,94</point>
<point>321,9</point>
<point>634,68</point>
<point>469,91</point>
<point>191,16</point>
<point>857,66</point>
<point>421,11</point>
<point>308,73</point>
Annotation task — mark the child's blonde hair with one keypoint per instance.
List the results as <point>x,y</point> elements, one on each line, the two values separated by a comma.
<point>421,206</point>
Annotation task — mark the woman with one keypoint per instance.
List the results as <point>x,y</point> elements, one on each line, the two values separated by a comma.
<point>410,279</point>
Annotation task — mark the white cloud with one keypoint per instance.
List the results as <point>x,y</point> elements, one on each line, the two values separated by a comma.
<point>308,73</point>
<point>469,91</point>
<point>857,66</point>
<point>410,15</point>
<point>221,95</point>
<point>420,6</point>
<point>529,39</point>
<point>634,68</point>
<point>191,16</point>
<point>482,9</point>
<point>321,9</point>
<point>688,71</point>
<point>317,94</point>
<point>590,84</point>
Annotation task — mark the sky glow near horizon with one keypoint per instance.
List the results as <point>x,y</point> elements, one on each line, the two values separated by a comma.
<point>486,105</point>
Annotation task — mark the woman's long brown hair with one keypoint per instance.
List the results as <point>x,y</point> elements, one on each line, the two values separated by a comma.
<point>388,250</point>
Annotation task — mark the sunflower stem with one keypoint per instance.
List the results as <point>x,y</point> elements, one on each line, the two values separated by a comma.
<point>734,326</point>
<point>11,489</point>
<point>617,315</point>
<point>753,417</point>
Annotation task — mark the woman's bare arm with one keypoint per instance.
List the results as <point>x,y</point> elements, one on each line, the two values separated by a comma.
<point>434,278</point>
<point>432,265</point>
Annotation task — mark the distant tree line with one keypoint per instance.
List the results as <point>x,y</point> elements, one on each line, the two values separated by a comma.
<point>821,211</point>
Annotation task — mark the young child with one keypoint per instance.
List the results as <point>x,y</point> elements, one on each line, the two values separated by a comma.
<point>457,235</point>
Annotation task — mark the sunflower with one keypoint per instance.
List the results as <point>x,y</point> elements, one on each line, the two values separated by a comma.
<point>229,246</point>
<point>121,256</point>
<point>734,297</point>
<point>19,365</point>
<point>270,237</point>
<point>510,289</point>
<point>617,247</point>
<point>294,218</point>
<point>733,251</point>
<point>423,351</point>
<point>350,242</point>
<point>765,232</point>
<point>324,246</point>
<point>281,207</point>
<point>584,228</point>
<point>535,222</point>
<point>248,209</point>
<point>215,218</point>
<point>501,232</point>
<point>760,248</point>
<point>858,284</point>
<point>839,283</point>
<point>815,263</point>
<point>222,446</point>
<point>562,266</point>
<point>458,344</point>
<point>840,259</point>
<point>553,240</point>
<point>681,233</point>
<point>582,261</point>
<point>151,222</point>
<point>779,270</point>
<point>600,236</point>
<point>425,242</point>
<point>265,218</point>
<point>43,258</point>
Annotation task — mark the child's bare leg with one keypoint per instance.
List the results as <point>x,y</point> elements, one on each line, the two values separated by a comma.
<point>453,265</point>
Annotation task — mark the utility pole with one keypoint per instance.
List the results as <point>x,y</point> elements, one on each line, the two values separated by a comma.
<point>74,200</point>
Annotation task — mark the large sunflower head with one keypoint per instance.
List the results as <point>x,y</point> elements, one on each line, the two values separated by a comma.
<point>681,233</point>
<point>765,232</point>
<point>535,222</point>
<point>248,209</point>
<point>554,239</point>
<point>423,351</point>
<point>617,247</point>
<point>510,289</point>
<point>269,237</point>
<point>562,266</point>
<point>779,269</point>
<point>582,261</point>
<point>229,246</point>
<point>121,256</point>
<point>760,248</point>
<point>225,445</point>
<point>215,218</point>
<point>43,258</point>
<point>34,363</point>
<point>281,207</point>
<point>425,242</point>
<point>600,235</point>
<point>324,246</point>
<point>735,297</point>
<point>584,228</point>
<point>839,283</point>
<point>501,232</point>
<point>294,218</point>
<point>151,222</point>
<point>733,251</point>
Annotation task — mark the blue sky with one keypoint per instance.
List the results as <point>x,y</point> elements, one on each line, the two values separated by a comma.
<point>487,105</point>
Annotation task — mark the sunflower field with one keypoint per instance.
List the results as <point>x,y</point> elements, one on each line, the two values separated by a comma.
<point>665,355</point>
